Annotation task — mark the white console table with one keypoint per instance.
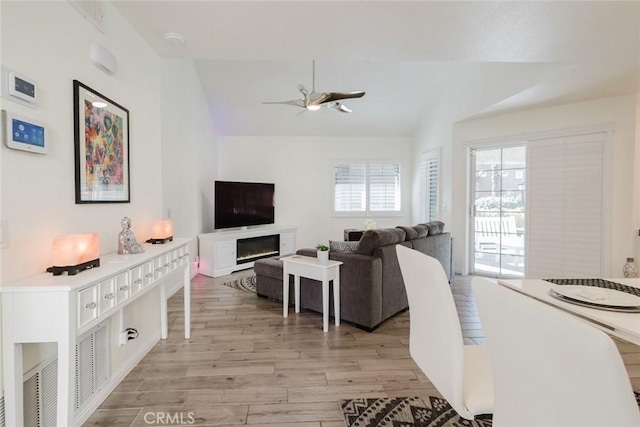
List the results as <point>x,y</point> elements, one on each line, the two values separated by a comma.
<point>218,251</point>
<point>60,309</point>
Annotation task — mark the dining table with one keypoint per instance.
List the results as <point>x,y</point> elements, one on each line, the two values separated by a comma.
<point>623,323</point>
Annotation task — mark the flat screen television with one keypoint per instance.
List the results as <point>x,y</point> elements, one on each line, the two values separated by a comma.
<point>240,204</point>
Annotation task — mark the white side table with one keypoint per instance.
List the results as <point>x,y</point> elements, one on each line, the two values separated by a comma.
<point>304,266</point>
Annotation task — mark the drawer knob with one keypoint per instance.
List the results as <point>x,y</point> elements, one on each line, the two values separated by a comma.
<point>148,276</point>
<point>137,281</point>
<point>167,265</point>
<point>124,287</point>
<point>90,305</point>
<point>109,295</point>
<point>159,269</point>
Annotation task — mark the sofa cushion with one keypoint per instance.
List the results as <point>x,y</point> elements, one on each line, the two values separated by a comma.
<point>271,267</point>
<point>421,229</point>
<point>410,233</point>
<point>435,227</point>
<point>343,247</point>
<point>373,239</point>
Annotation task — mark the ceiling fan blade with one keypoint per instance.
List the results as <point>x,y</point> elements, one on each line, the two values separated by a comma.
<point>334,96</point>
<point>339,107</point>
<point>295,103</point>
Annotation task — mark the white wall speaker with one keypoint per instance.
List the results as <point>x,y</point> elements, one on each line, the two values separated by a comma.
<point>103,58</point>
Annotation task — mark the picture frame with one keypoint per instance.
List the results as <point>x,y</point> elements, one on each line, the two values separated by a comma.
<point>101,135</point>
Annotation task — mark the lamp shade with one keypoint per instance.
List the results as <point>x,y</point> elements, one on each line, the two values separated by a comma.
<point>162,229</point>
<point>75,249</point>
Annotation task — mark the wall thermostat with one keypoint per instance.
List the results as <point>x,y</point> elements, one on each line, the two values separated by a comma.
<point>23,87</point>
<point>22,133</point>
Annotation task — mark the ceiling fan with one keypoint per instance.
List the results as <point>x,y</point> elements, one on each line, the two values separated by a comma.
<point>313,100</point>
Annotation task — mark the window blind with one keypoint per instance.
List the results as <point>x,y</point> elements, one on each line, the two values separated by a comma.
<point>565,228</point>
<point>429,173</point>
<point>384,187</point>
<point>364,188</point>
<point>350,188</point>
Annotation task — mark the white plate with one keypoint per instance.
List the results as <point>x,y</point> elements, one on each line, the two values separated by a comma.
<point>599,296</point>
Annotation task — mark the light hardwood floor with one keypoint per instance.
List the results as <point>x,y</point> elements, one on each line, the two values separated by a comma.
<point>246,364</point>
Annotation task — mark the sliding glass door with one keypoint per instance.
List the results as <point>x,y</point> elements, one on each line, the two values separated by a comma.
<point>498,211</point>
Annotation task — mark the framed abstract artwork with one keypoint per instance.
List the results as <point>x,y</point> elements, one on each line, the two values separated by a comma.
<point>101,136</point>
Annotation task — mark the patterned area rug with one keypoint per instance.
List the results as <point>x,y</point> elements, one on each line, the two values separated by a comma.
<point>406,412</point>
<point>410,412</point>
<point>246,283</point>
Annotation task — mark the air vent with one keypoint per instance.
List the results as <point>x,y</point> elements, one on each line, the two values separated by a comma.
<point>92,364</point>
<point>91,10</point>
<point>40,392</point>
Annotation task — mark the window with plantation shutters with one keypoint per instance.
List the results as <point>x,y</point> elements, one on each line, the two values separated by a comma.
<point>384,187</point>
<point>429,180</point>
<point>350,188</point>
<point>367,188</point>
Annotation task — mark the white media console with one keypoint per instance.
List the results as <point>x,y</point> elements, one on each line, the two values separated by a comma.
<point>223,252</point>
<point>63,309</point>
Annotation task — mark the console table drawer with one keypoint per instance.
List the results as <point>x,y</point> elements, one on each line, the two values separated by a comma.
<point>158,268</point>
<point>106,296</point>
<point>87,305</point>
<point>123,288</point>
<point>147,274</point>
<point>137,281</point>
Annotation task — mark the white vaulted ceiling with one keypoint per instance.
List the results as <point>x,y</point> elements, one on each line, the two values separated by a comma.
<point>414,59</point>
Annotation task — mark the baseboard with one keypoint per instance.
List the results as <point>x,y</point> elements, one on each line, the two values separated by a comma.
<point>116,379</point>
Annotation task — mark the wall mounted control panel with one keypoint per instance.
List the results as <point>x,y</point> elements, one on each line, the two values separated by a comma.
<point>22,87</point>
<point>22,133</point>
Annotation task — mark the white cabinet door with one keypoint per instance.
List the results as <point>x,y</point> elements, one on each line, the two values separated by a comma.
<point>224,255</point>
<point>287,243</point>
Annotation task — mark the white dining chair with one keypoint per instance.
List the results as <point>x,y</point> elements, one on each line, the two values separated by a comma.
<point>461,373</point>
<point>550,368</point>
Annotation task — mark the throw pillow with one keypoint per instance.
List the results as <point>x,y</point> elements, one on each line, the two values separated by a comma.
<point>342,247</point>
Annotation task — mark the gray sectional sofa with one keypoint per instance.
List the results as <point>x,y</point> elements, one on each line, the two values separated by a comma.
<point>371,285</point>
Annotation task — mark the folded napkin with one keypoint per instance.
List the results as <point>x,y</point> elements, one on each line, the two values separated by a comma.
<point>592,294</point>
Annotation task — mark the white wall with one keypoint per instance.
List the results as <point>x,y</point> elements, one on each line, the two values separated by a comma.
<point>188,151</point>
<point>302,170</point>
<point>38,200</point>
<point>619,111</point>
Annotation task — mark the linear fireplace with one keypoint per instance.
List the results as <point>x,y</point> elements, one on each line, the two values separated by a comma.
<point>253,248</point>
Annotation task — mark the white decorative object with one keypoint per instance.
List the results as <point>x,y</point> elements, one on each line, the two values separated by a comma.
<point>369,225</point>
<point>323,257</point>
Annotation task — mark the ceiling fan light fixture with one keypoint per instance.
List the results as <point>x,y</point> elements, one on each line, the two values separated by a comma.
<point>313,107</point>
